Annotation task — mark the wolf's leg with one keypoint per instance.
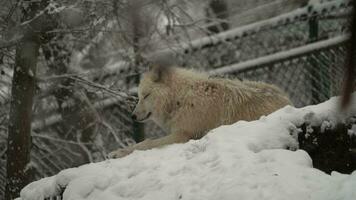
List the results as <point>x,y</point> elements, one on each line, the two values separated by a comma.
<point>149,144</point>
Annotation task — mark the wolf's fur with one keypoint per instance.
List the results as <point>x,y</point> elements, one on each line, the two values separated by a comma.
<point>188,104</point>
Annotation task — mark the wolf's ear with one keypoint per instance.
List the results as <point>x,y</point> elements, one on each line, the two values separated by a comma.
<point>157,72</point>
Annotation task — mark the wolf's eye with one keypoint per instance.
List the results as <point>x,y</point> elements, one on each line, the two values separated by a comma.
<point>146,95</point>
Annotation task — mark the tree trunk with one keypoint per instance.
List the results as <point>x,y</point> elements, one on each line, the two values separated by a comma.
<point>23,89</point>
<point>19,136</point>
<point>137,34</point>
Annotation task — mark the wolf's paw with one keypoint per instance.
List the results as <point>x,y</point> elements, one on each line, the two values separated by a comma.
<point>120,153</point>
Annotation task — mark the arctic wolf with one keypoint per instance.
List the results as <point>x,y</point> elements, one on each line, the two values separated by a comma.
<point>187,104</point>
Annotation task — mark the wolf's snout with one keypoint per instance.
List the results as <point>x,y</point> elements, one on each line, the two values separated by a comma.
<point>134,117</point>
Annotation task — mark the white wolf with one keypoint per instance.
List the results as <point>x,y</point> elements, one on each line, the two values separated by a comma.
<point>187,104</point>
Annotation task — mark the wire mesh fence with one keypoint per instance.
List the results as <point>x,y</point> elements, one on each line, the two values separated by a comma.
<point>307,77</point>
<point>291,30</point>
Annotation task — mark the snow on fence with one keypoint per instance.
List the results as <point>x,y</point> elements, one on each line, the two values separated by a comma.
<point>280,33</point>
<point>255,40</point>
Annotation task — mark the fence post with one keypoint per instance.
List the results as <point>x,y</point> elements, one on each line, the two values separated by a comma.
<point>320,77</point>
<point>313,70</point>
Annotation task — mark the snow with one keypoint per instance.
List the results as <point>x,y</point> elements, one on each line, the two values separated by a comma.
<point>352,131</point>
<point>30,73</point>
<point>245,160</point>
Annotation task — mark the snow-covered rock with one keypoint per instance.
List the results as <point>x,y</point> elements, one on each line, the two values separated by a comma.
<point>246,160</point>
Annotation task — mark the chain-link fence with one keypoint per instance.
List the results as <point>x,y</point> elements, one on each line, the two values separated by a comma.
<point>310,74</point>
<point>291,30</point>
<point>302,52</point>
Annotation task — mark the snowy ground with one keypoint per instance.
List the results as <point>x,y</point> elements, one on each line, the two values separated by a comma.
<point>246,160</point>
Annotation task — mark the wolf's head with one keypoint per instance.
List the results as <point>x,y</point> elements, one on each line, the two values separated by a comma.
<point>153,94</point>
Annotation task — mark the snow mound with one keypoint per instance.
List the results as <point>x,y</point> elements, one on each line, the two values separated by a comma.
<point>246,160</point>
